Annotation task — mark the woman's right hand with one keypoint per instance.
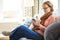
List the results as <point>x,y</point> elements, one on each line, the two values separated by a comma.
<point>42,27</point>
<point>37,23</point>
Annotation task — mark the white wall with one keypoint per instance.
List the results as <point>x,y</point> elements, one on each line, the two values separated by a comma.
<point>59,7</point>
<point>1,9</point>
<point>11,10</point>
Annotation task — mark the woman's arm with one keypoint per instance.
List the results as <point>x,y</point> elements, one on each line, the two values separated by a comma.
<point>42,29</point>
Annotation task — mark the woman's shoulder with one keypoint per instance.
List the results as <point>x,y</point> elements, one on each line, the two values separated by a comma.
<point>50,20</point>
<point>51,17</point>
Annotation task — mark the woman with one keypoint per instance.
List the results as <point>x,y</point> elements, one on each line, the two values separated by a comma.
<point>35,33</point>
<point>47,18</point>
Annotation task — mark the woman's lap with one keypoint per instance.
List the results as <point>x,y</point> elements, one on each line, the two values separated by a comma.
<point>23,31</point>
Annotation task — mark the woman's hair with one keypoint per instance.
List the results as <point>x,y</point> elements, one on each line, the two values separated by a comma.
<point>49,5</point>
<point>34,20</point>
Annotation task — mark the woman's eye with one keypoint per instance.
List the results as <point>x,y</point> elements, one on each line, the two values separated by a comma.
<point>45,8</point>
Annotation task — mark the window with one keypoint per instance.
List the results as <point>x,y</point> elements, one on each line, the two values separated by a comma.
<point>11,11</point>
<point>15,10</point>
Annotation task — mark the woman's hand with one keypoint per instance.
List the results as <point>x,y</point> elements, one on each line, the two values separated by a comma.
<point>42,27</point>
<point>38,23</point>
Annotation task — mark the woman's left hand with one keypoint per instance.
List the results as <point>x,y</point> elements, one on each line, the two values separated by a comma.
<point>42,27</point>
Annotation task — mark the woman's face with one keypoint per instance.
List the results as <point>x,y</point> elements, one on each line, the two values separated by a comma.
<point>46,8</point>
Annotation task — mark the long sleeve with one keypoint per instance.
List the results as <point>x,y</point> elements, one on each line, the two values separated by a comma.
<point>49,21</point>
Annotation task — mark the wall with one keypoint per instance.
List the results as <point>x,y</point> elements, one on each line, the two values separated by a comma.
<point>59,7</point>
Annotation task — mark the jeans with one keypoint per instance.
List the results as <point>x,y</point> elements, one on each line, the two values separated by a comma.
<point>23,31</point>
<point>52,32</point>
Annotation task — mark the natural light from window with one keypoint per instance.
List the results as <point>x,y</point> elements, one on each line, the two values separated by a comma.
<point>12,10</point>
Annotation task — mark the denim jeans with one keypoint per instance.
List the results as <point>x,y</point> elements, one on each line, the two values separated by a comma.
<point>52,32</point>
<point>23,31</point>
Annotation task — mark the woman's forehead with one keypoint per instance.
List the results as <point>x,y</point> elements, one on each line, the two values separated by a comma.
<point>45,5</point>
